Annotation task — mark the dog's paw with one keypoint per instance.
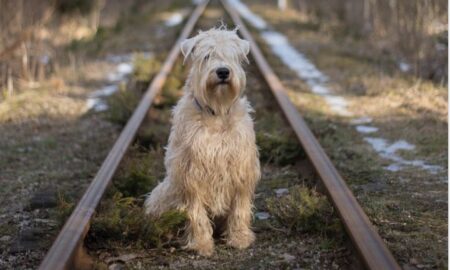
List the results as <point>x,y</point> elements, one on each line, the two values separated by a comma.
<point>204,248</point>
<point>241,239</point>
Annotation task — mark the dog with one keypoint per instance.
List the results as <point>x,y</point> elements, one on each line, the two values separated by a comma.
<point>212,161</point>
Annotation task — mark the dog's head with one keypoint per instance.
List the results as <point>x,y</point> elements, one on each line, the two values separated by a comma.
<point>216,76</point>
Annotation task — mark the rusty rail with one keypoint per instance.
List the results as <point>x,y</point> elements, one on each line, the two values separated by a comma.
<point>368,243</point>
<point>67,250</point>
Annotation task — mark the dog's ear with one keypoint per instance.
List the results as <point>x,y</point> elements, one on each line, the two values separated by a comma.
<point>244,45</point>
<point>187,46</point>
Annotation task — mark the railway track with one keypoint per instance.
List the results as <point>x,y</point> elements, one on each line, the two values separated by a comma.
<point>67,252</point>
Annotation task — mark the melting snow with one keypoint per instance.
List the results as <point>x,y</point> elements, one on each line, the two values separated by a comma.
<point>96,104</point>
<point>175,19</point>
<point>124,67</point>
<point>251,17</point>
<point>281,191</point>
<point>366,129</point>
<point>361,120</point>
<point>389,151</point>
<point>305,70</point>
<point>104,91</point>
<point>404,67</point>
<point>262,215</point>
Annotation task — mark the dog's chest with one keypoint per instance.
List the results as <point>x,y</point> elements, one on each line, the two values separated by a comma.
<point>219,147</point>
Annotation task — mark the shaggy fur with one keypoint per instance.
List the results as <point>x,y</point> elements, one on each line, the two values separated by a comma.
<point>211,160</point>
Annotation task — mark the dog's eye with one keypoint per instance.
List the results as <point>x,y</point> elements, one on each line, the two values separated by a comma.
<point>207,57</point>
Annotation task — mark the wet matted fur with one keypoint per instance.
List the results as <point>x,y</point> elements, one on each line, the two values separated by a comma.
<point>211,160</point>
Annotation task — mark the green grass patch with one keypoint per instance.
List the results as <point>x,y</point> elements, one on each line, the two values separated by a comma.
<point>122,105</point>
<point>278,149</point>
<point>140,171</point>
<point>304,210</point>
<point>121,219</point>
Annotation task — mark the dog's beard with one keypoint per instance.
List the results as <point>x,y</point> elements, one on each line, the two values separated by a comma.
<point>221,94</point>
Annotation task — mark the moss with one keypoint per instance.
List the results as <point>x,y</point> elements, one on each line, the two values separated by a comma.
<point>303,210</point>
<point>281,178</point>
<point>154,135</point>
<point>122,219</point>
<point>121,106</point>
<point>140,172</point>
<point>281,150</point>
<point>145,67</point>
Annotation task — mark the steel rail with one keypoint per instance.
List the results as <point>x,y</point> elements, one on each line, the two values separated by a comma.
<point>67,250</point>
<point>368,243</point>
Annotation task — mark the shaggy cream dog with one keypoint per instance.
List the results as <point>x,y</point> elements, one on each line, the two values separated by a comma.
<point>211,160</point>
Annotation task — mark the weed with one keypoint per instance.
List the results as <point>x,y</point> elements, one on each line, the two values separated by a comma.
<point>122,219</point>
<point>145,67</point>
<point>121,106</point>
<point>65,207</point>
<point>281,150</point>
<point>154,134</point>
<point>140,172</point>
<point>303,210</point>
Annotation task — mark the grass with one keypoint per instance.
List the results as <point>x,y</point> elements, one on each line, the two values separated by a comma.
<point>121,105</point>
<point>121,219</point>
<point>139,172</point>
<point>278,149</point>
<point>304,210</point>
<point>65,207</point>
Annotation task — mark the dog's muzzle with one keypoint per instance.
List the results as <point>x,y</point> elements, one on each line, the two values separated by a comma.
<point>223,74</point>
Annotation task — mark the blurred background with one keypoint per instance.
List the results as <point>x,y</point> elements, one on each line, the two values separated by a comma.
<point>32,33</point>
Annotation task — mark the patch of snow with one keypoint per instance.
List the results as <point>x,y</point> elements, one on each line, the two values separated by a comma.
<point>113,77</point>
<point>119,58</point>
<point>122,70</point>
<point>281,191</point>
<point>125,68</point>
<point>338,104</point>
<point>366,129</point>
<point>305,70</point>
<point>389,151</point>
<point>175,19</point>
<point>104,91</point>
<point>361,120</point>
<point>404,67</point>
<point>251,17</point>
<point>96,104</point>
<point>262,215</point>
<point>294,59</point>
<point>393,167</point>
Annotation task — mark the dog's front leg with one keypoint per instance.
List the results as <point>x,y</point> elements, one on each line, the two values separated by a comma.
<point>199,230</point>
<point>238,233</point>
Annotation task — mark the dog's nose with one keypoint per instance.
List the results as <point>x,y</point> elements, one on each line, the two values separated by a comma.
<point>223,73</point>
